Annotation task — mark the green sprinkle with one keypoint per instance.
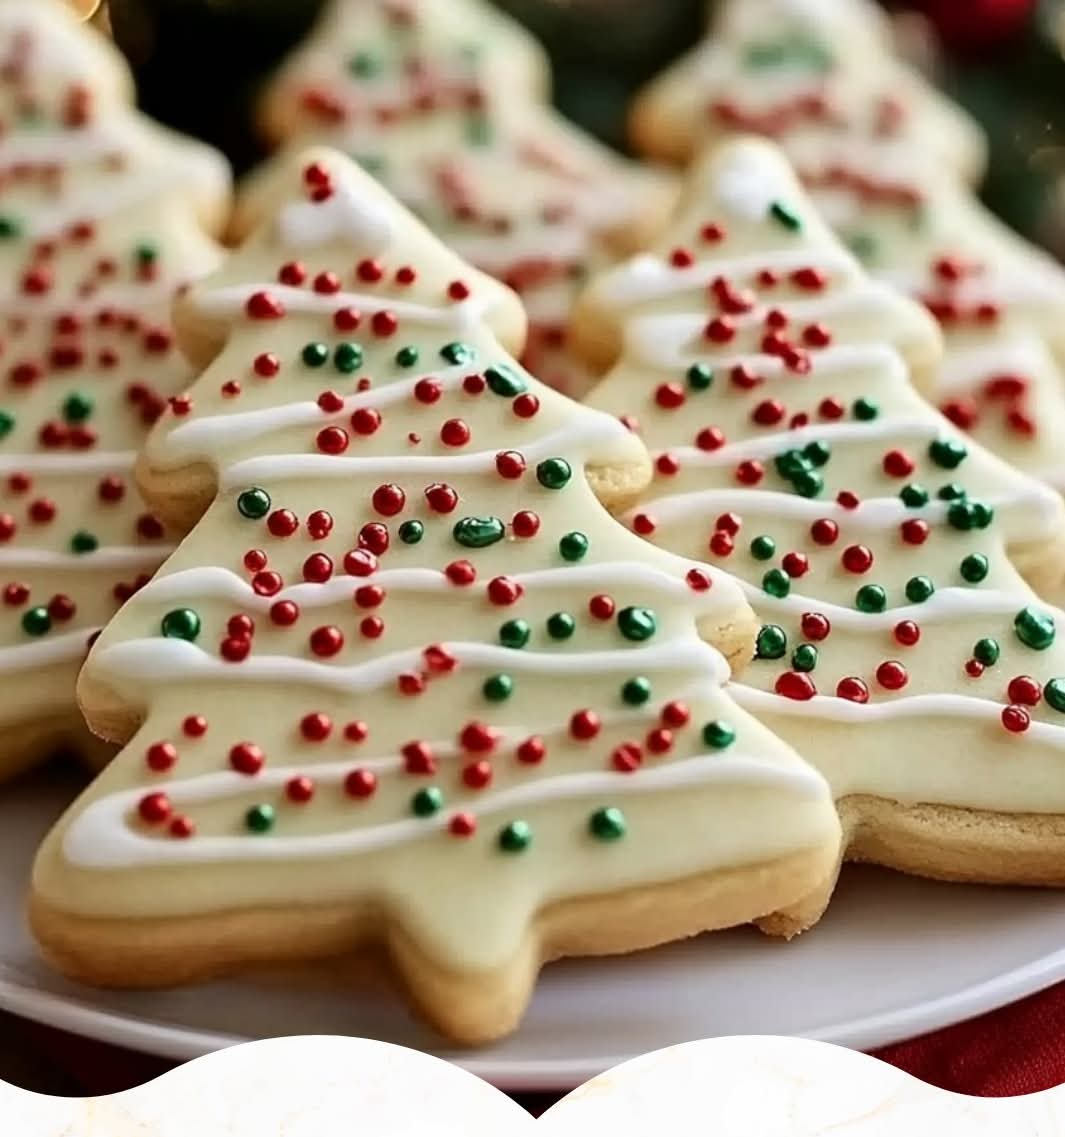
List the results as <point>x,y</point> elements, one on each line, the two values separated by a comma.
<point>818,453</point>
<point>808,484</point>
<point>951,492</point>
<point>1034,629</point>
<point>974,568</point>
<point>913,496</point>
<point>362,64</point>
<point>771,642</point>
<point>427,801</point>
<point>77,407</point>
<point>515,837</point>
<point>636,691</point>
<point>478,532</point>
<point>865,410</point>
<point>347,358</point>
<point>407,357</point>
<point>146,253</point>
<point>9,228</point>
<point>7,423</point>
<point>919,589</point>
<point>260,818</point>
<point>776,583</point>
<point>502,380</point>
<point>790,463</point>
<point>254,503</point>
<point>700,376</point>
<point>863,245</point>
<point>457,353</point>
<point>986,651</point>
<point>84,542</point>
<point>637,623</point>
<point>718,735</point>
<point>315,354</point>
<point>1054,693</point>
<point>181,624</point>
<point>561,625</point>
<point>553,473</point>
<point>785,216</point>
<point>514,633</point>
<point>961,515</point>
<point>763,547</point>
<point>804,658</point>
<point>411,532</point>
<point>607,824</point>
<point>478,130</point>
<point>870,598</point>
<point>573,546</point>
<point>947,453</point>
<point>36,621</point>
<point>983,514</point>
<point>497,688</point>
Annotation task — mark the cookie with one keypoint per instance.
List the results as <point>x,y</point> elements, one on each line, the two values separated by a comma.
<point>99,225</point>
<point>901,651</point>
<point>1000,300</point>
<point>407,687</point>
<point>72,148</point>
<point>435,108</point>
<point>370,63</point>
<point>801,67</point>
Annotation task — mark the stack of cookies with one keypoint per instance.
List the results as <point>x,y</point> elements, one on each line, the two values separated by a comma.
<point>449,672</point>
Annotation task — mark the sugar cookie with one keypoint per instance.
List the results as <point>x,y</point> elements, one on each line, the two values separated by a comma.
<point>100,217</point>
<point>821,68</point>
<point>407,684</point>
<point>437,110</point>
<point>901,651</point>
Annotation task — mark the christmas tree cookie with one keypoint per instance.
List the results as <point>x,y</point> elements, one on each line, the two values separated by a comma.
<point>900,651</point>
<point>818,68</point>
<point>1000,301</point>
<point>436,109</point>
<point>92,249</point>
<point>72,148</point>
<point>407,684</point>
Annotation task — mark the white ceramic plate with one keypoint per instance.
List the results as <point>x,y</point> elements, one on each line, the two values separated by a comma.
<point>893,958</point>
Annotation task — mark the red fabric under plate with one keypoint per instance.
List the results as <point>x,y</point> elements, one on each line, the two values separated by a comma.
<point>1019,1049</point>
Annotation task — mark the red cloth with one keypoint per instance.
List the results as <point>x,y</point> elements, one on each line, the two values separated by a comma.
<point>1019,1049</point>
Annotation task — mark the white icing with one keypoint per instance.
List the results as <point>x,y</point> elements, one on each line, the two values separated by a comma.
<point>45,652</point>
<point>105,557</point>
<point>944,604</point>
<point>170,660</point>
<point>211,581</point>
<point>669,339</point>
<point>101,837</point>
<point>579,434</point>
<point>87,462</point>
<point>840,710</point>
<point>188,438</point>
<point>230,300</point>
<point>871,513</point>
<point>645,277</point>
<point>833,433</point>
<point>344,217</point>
<point>742,189</point>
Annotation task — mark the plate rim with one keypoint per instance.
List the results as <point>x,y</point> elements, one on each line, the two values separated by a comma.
<point>181,1044</point>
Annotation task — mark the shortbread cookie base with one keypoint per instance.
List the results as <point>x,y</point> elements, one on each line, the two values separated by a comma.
<point>472,1009</point>
<point>939,842</point>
